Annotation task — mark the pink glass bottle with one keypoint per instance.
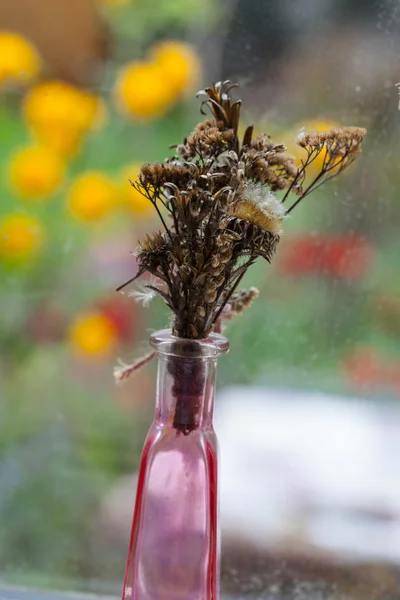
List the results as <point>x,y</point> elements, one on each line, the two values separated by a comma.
<point>174,547</point>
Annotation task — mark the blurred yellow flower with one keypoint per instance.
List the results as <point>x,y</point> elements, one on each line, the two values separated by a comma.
<point>62,140</point>
<point>131,199</point>
<point>92,196</point>
<point>142,90</point>
<point>115,2</point>
<point>92,334</point>
<point>36,172</point>
<point>21,237</point>
<point>179,63</point>
<point>60,114</point>
<point>19,60</point>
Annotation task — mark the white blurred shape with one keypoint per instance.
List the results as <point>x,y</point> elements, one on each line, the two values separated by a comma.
<point>315,467</point>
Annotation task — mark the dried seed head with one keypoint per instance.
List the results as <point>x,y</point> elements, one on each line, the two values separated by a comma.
<point>261,207</point>
<point>339,136</point>
<point>152,242</point>
<point>243,299</point>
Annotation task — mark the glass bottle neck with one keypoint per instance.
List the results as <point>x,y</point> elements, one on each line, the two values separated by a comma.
<point>185,392</point>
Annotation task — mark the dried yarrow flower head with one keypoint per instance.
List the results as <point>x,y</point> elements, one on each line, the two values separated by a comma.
<point>221,203</point>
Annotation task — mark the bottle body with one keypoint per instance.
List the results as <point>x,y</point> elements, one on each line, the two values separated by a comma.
<point>174,546</point>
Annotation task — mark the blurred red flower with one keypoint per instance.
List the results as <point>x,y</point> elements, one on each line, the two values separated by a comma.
<point>123,313</point>
<point>343,256</point>
<point>365,368</point>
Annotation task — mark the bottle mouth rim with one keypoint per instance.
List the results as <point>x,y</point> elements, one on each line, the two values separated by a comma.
<point>212,346</point>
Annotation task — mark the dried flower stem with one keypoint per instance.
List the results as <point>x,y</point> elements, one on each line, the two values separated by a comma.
<point>123,372</point>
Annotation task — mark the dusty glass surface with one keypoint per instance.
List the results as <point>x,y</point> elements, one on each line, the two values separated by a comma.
<point>307,410</point>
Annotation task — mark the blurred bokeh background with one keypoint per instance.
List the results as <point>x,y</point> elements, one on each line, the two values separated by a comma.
<point>308,410</point>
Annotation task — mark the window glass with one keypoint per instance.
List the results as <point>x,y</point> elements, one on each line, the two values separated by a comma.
<point>307,409</point>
